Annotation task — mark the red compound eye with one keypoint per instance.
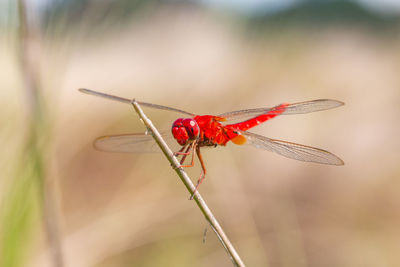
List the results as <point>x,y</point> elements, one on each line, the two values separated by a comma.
<point>179,132</point>
<point>192,128</point>
<point>184,130</point>
<point>177,123</point>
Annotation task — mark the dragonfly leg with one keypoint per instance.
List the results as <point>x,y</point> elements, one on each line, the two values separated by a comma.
<point>177,154</point>
<point>191,148</point>
<point>180,152</point>
<point>185,154</point>
<point>203,172</point>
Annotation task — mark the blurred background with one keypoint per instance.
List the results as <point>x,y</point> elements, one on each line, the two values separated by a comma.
<point>62,203</point>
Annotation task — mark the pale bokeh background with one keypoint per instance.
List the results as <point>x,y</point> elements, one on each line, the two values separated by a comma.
<point>132,210</point>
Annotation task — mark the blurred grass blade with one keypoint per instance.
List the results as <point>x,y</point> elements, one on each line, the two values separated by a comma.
<point>19,212</point>
<point>28,193</point>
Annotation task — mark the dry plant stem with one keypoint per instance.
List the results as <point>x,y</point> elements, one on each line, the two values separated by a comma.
<point>190,186</point>
<point>36,117</point>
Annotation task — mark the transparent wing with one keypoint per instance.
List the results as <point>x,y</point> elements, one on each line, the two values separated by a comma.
<point>296,108</point>
<point>129,101</point>
<point>130,143</point>
<point>292,150</point>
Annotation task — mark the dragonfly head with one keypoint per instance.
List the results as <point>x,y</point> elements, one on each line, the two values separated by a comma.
<point>185,130</point>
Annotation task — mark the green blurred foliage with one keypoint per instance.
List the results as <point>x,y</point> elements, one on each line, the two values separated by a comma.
<point>20,209</point>
<point>319,14</point>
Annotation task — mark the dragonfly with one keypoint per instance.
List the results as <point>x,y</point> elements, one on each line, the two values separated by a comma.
<point>192,132</point>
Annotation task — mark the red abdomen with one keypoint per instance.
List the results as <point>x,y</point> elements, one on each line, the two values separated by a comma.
<point>250,123</point>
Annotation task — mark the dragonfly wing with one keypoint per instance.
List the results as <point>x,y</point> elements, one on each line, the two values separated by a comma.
<point>288,109</point>
<point>129,101</point>
<point>128,143</point>
<point>244,114</point>
<point>292,150</point>
<point>311,106</point>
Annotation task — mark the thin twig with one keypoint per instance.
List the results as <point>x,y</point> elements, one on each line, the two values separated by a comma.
<point>190,186</point>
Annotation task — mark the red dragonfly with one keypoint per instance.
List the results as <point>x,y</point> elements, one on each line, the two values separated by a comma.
<point>198,131</point>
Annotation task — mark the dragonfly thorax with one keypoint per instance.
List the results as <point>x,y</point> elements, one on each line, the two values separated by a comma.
<point>185,130</point>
